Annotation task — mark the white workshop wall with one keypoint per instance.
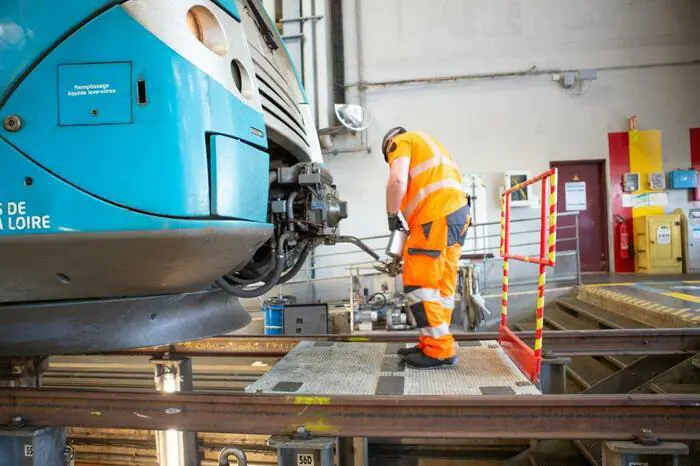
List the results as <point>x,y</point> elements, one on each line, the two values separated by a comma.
<point>519,122</point>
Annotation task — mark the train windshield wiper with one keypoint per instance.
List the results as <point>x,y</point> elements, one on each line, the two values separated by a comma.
<point>263,27</point>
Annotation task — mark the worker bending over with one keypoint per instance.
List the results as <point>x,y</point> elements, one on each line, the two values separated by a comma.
<point>426,186</point>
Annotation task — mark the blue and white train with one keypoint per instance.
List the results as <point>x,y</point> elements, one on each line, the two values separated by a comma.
<point>157,158</point>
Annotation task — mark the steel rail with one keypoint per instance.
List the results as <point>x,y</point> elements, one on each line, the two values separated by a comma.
<point>614,417</point>
<point>622,342</point>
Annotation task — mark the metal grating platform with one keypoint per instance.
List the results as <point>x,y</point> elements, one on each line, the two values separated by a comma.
<point>326,368</point>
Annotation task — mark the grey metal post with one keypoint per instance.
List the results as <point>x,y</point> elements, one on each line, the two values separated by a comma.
<point>352,451</point>
<point>174,447</point>
<point>634,453</point>
<point>33,447</point>
<point>578,252</point>
<point>22,444</point>
<point>553,376</point>
<point>303,450</point>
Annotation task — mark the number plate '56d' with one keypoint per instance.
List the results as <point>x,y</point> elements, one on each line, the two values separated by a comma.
<point>305,459</point>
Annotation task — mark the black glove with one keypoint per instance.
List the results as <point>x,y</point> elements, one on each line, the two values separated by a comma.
<point>394,222</point>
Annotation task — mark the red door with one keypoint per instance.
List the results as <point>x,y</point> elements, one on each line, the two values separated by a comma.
<point>588,177</point>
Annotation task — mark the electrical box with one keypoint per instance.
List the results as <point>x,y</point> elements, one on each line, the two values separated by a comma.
<point>683,179</point>
<point>630,182</point>
<point>658,245</point>
<point>306,319</point>
<point>691,240</point>
<point>657,180</point>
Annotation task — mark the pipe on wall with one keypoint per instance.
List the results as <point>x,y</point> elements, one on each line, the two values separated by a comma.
<point>360,63</point>
<point>338,47</point>
<point>362,85</point>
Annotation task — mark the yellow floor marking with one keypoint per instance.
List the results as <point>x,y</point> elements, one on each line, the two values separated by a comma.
<point>312,400</point>
<point>683,296</point>
<point>610,284</point>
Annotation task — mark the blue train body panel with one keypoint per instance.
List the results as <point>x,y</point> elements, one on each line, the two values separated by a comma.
<point>107,100</point>
<point>32,201</point>
<point>31,27</point>
<point>156,161</point>
<point>232,157</point>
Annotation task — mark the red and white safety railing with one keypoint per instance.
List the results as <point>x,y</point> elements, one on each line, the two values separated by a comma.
<point>529,359</point>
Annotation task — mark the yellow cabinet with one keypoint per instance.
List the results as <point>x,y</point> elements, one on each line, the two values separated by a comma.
<point>658,247</point>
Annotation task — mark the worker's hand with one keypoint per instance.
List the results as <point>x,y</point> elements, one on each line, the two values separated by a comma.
<point>395,222</point>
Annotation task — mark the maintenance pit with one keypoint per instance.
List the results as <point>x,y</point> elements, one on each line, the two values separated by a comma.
<point>343,397</point>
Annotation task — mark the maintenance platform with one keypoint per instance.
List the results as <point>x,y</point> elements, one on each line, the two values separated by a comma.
<point>336,368</point>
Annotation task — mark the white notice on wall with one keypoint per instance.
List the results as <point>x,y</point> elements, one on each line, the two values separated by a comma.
<point>663,234</point>
<point>658,199</point>
<point>575,195</point>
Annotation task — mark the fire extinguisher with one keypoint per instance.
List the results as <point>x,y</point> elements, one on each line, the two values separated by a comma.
<point>624,237</point>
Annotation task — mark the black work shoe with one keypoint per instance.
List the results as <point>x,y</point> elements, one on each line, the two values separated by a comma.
<point>421,361</point>
<point>405,352</point>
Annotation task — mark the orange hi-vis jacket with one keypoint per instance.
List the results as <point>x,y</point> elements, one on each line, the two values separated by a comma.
<point>434,184</point>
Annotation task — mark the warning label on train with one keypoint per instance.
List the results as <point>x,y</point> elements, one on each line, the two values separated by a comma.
<point>16,216</point>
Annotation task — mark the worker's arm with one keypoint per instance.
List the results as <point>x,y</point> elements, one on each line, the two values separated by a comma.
<point>397,185</point>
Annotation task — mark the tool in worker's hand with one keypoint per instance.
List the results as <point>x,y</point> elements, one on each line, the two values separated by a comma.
<point>397,238</point>
<point>394,248</point>
<point>389,267</point>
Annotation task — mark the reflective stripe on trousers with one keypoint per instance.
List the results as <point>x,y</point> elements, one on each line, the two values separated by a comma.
<point>436,332</point>
<point>448,302</point>
<point>430,295</point>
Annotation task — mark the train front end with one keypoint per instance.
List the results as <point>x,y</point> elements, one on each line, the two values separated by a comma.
<point>158,158</point>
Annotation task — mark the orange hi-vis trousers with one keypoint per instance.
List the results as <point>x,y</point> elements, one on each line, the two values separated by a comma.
<point>431,261</point>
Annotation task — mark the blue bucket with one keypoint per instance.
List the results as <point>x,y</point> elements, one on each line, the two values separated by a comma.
<point>273,319</point>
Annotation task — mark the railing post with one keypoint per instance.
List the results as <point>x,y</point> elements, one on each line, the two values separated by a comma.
<point>505,230</point>
<point>578,252</point>
<point>529,359</point>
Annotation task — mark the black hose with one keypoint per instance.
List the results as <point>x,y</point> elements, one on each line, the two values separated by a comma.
<point>299,263</point>
<point>358,243</point>
<point>250,278</point>
<point>240,291</point>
